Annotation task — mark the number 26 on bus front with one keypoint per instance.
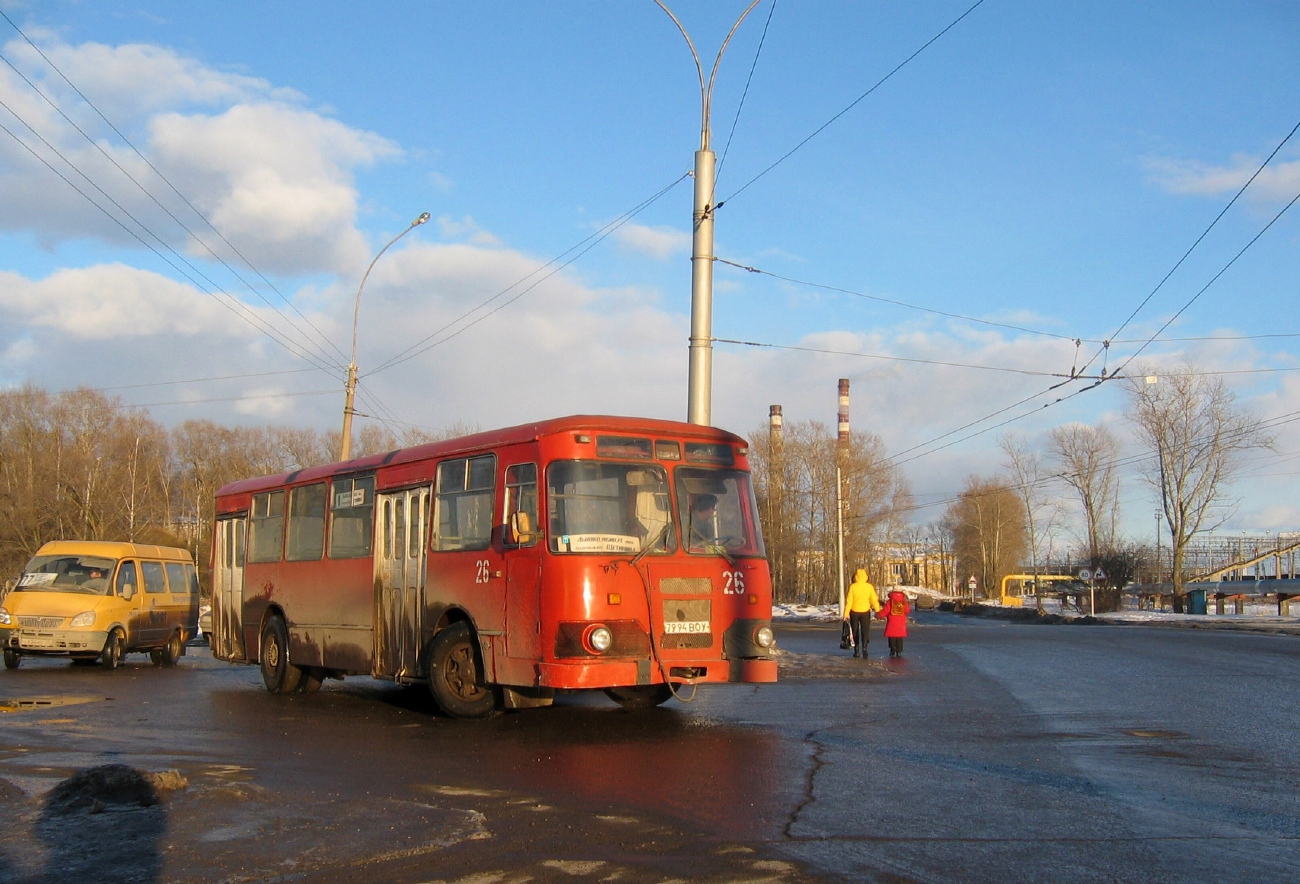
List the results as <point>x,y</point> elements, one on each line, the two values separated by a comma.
<point>733,583</point>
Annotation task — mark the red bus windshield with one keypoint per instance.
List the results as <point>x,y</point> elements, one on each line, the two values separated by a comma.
<point>610,507</point>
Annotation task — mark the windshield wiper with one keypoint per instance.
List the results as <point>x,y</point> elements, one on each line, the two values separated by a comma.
<point>651,545</point>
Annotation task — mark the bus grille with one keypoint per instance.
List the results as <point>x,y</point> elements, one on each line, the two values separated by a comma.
<point>686,586</point>
<point>40,622</point>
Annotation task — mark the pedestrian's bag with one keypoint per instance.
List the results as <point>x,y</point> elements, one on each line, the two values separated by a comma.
<point>897,607</point>
<point>846,637</point>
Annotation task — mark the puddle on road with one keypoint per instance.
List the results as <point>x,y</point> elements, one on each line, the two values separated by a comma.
<point>28,704</point>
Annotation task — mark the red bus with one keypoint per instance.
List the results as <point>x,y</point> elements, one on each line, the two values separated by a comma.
<point>580,553</point>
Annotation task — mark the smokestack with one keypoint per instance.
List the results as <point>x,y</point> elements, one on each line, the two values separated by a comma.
<point>844,413</point>
<point>774,422</point>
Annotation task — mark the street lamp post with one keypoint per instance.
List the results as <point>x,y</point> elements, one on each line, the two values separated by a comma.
<point>345,450</point>
<point>700,377</point>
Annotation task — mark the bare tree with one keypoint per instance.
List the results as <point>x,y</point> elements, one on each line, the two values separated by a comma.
<point>1191,423</point>
<point>988,525</point>
<point>1086,457</point>
<point>803,544</point>
<point>1028,478</point>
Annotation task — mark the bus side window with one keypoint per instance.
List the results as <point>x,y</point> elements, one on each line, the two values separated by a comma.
<point>352,519</point>
<point>521,505</point>
<point>463,511</point>
<point>306,523</point>
<point>267,527</point>
<point>127,580</point>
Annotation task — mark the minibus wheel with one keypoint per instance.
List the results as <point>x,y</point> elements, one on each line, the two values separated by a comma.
<point>111,658</point>
<point>636,698</point>
<point>278,674</point>
<point>170,653</point>
<point>12,658</point>
<point>455,677</point>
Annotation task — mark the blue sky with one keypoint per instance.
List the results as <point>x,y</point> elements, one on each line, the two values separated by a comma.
<point>1039,167</point>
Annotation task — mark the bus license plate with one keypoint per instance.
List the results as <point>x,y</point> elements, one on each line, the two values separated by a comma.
<point>686,626</point>
<point>36,642</point>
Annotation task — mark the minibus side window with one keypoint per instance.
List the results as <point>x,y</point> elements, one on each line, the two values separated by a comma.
<point>154,581</point>
<point>126,578</point>
<point>176,581</point>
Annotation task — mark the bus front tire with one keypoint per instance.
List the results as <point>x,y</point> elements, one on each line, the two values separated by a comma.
<point>12,658</point>
<point>455,678</point>
<point>640,697</point>
<point>278,674</point>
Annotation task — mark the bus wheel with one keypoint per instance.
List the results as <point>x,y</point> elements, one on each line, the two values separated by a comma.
<point>454,677</point>
<point>170,654</point>
<point>278,674</point>
<point>112,655</point>
<point>12,658</point>
<point>640,697</point>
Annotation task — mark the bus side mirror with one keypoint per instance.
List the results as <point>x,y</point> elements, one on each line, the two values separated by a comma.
<point>128,590</point>
<point>521,528</point>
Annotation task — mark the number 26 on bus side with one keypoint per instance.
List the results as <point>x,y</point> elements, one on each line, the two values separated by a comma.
<point>733,583</point>
<point>482,571</point>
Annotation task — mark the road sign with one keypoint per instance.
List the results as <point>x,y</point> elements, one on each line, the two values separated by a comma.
<point>1099,575</point>
<point>1085,574</point>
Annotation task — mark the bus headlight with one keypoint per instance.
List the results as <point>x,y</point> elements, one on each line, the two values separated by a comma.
<point>764,637</point>
<point>5,619</point>
<point>85,618</point>
<point>598,639</point>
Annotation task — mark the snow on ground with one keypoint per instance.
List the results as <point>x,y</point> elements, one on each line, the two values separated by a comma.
<point>1253,613</point>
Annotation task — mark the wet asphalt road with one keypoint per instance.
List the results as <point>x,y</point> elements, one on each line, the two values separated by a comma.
<point>992,751</point>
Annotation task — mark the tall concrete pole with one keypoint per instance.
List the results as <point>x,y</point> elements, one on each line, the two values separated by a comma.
<point>700,375</point>
<point>776,493</point>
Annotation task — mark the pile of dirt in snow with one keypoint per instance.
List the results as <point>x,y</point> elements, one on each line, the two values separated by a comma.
<point>111,785</point>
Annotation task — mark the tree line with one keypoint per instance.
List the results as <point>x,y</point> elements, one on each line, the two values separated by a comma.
<point>80,464</point>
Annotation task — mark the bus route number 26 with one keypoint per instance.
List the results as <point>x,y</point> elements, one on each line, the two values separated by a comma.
<point>482,571</point>
<point>733,583</point>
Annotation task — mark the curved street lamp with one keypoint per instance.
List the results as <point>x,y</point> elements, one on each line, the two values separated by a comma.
<point>345,451</point>
<point>700,378</point>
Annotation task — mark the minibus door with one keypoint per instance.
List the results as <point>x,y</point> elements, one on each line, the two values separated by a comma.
<point>228,590</point>
<point>399,566</point>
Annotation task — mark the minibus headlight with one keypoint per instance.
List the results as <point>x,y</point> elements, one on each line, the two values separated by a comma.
<point>763,637</point>
<point>85,618</point>
<point>5,619</point>
<point>599,638</point>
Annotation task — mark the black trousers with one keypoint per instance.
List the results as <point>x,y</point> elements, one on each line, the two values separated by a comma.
<point>896,647</point>
<point>860,624</point>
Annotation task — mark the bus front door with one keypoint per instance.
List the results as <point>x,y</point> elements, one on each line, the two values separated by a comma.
<point>399,564</point>
<point>228,591</point>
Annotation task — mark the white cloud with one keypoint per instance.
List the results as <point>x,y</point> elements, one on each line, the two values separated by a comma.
<point>660,243</point>
<point>274,177</point>
<point>1280,180</point>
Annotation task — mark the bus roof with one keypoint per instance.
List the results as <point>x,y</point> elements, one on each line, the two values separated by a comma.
<point>111,549</point>
<point>483,440</point>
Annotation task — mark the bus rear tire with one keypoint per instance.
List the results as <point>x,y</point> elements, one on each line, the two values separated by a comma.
<point>455,677</point>
<point>640,697</point>
<point>278,674</point>
<point>170,653</point>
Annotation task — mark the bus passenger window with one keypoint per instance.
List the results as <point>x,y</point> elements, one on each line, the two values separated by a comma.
<point>352,514</point>
<point>267,527</point>
<point>306,524</point>
<point>463,509</point>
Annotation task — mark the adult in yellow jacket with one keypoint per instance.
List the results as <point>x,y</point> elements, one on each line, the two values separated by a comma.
<point>860,605</point>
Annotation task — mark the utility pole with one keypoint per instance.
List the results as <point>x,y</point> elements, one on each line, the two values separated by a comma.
<point>841,453</point>
<point>350,386</point>
<point>700,374</point>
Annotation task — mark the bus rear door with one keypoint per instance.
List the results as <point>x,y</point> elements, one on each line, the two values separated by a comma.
<point>228,590</point>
